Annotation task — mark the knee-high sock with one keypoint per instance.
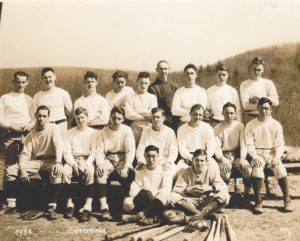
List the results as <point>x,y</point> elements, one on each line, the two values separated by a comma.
<point>284,186</point>
<point>257,184</point>
<point>142,200</point>
<point>155,209</point>
<point>54,192</point>
<point>247,185</point>
<point>211,207</point>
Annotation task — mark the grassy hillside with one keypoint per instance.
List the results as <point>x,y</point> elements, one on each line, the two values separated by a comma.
<point>282,66</point>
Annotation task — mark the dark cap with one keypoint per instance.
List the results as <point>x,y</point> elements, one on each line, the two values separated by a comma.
<point>221,67</point>
<point>258,60</point>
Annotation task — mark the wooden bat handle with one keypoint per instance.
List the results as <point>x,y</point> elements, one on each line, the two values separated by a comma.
<point>230,230</point>
<point>168,234</point>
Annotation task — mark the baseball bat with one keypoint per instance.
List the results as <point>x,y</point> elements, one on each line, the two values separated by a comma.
<point>167,234</point>
<point>210,236</point>
<point>230,232</point>
<point>128,232</point>
<point>147,234</point>
<point>222,230</point>
<point>218,229</point>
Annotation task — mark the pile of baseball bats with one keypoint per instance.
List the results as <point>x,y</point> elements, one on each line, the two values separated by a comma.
<point>221,230</point>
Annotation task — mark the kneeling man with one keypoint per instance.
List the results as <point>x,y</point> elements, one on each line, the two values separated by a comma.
<point>79,154</point>
<point>150,189</point>
<point>200,190</point>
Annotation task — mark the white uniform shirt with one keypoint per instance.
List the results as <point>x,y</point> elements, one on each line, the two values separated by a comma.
<point>165,140</point>
<point>56,100</point>
<point>192,138</point>
<point>80,142</point>
<point>118,99</point>
<point>230,137</point>
<point>136,104</point>
<point>218,96</point>
<point>185,98</point>
<point>259,88</point>
<point>266,134</point>
<point>121,140</point>
<point>15,108</point>
<point>97,107</point>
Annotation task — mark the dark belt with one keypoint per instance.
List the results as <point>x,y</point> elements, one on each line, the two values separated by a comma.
<point>58,121</point>
<point>97,127</point>
<point>250,113</point>
<point>215,120</point>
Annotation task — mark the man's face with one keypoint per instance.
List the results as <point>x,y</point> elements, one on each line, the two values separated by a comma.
<point>162,71</point>
<point>158,119</point>
<point>119,83</point>
<point>81,120</point>
<point>152,160</point>
<point>264,110</point>
<point>197,115</point>
<point>222,76</point>
<point>143,84</point>
<point>49,79</point>
<point>20,83</point>
<point>229,114</point>
<point>190,76</point>
<point>257,70</point>
<point>90,84</point>
<point>42,118</point>
<point>116,120</point>
<point>200,163</point>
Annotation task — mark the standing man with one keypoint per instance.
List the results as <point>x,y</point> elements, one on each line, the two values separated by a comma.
<point>57,99</point>
<point>188,95</point>
<point>138,106</point>
<point>220,94</point>
<point>251,91</point>
<point>41,158</point>
<point>117,96</point>
<point>160,135</point>
<point>150,190</point>
<point>265,144</point>
<point>164,90</point>
<point>79,154</point>
<point>231,150</point>
<point>16,120</point>
<point>115,154</point>
<point>96,105</point>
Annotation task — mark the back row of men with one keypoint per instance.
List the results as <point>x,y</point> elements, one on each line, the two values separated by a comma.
<point>116,143</point>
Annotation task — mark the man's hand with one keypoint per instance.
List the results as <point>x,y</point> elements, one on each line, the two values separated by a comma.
<point>167,166</point>
<point>57,169</point>
<point>244,164</point>
<point>24,176</point>
<point>140,166</point>
<point>194,190</point>
<point>124,172</point>
<point>259,161</point>
<point>225,165</point>
<point>147,116</point>
<point>205,188</point>
<point>99,171</point>
<point>75,169</point>
<point>275,162</point>
<point>253,100</point>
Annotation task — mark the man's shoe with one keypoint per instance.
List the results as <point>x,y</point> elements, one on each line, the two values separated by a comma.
<point>52,214</point>
<point>287,207</point>
<point>8,210</point>
<point>258,209</point>
<point>69,213</point>
<point>85,216</point>
<point>106,215</point>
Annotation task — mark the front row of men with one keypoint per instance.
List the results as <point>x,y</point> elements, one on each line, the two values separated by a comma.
<point>97,156</point>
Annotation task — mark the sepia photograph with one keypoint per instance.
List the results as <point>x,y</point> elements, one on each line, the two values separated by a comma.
<point>150,120</point>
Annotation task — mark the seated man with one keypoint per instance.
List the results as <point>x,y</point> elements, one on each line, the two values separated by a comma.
<point>200,190</point>
<point>41,158</point>
<point>79,154</point>
<point>231,150</point>
<point>160,135</point>
<point>194,135</point>
<point>265,145</point>
<point>138,106</point>
<point>115,154</point>
<point>96,105</point>
<point>150,190</point>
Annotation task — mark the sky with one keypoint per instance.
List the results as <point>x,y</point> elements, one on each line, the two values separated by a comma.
<point>137,34</point>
